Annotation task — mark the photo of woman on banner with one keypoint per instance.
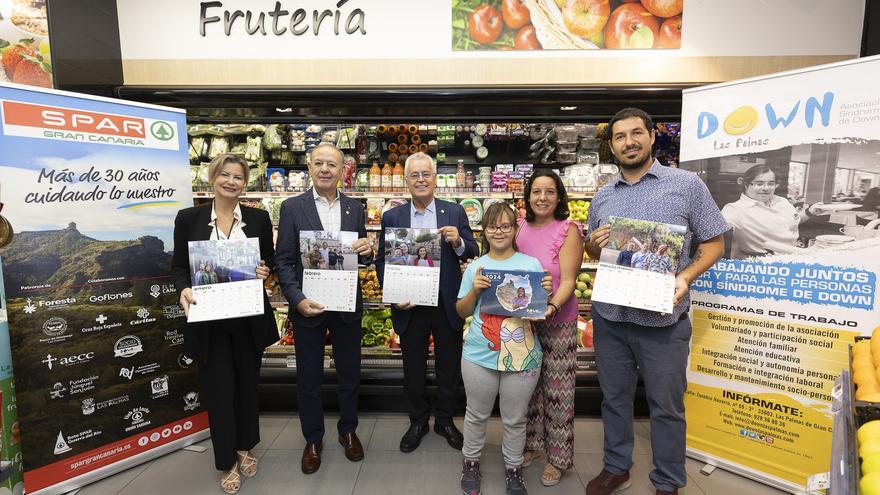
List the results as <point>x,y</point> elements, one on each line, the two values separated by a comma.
<point>763,221</point>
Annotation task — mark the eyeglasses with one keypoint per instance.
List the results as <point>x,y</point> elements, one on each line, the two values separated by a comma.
<point>760,185</point>
<point>504,228</point>
<point>424,176</point>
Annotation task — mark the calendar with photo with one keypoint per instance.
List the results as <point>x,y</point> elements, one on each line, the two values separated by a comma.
<point>412,266</point>
<point>330,266</point>
<point>224,279</point>
<point>515,293</point>
<point>638,265</point>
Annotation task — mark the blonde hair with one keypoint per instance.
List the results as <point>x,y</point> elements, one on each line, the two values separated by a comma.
<point>217,164</point>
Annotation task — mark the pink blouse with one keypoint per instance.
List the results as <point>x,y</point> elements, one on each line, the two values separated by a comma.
<point>545,243</point>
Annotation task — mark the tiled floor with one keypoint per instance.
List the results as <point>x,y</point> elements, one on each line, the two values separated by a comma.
<point>432,469</point>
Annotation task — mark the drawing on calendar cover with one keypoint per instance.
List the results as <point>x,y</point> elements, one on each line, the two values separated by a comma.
<point>328,250</point>
<point>514,293</point>
<point>643,245</point>
<point>222,261</point>
<point>412,247</point>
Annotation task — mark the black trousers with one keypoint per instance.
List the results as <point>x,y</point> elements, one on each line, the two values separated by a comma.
<point>427,320</point>
<point>309,342</point>
<point>229,385</point>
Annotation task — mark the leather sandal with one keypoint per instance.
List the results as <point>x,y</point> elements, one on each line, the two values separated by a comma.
<point>247,464</point>
<point>230,482</point>
<point>551,475</point>
<point>529,456</point>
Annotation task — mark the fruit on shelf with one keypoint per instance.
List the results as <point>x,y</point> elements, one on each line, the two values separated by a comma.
<point>527,39</point>
<point>579,210</point>
<point>370,283</point>
<point>377,327</point>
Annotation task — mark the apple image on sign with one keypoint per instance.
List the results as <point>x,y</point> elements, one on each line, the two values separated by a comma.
<point>631,26</point>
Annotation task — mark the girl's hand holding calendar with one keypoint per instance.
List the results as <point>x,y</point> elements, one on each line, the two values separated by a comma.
<point>481,282</point>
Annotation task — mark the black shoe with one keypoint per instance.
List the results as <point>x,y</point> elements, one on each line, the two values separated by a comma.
<point>413,437</point>
<point>453,437</point>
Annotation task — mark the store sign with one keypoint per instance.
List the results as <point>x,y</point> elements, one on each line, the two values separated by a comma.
<point>92,187</point>
<point>772,321</point>
<point>461,42</point>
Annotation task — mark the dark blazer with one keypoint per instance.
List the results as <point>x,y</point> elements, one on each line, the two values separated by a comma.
<point>448,213</point>
<point>191,224</point>
<point>300,213</point>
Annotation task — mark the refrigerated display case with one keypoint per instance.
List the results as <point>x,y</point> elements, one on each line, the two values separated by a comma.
<point>499,131</point>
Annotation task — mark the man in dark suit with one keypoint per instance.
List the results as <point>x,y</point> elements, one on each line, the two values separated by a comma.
<point>322,208</point>
<point>415,323</point>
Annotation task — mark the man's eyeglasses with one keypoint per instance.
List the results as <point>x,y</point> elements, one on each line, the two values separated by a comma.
<point>423,175</point>
<point>504,228</point>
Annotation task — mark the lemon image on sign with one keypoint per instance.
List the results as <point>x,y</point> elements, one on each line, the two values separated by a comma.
<point>741,120</point>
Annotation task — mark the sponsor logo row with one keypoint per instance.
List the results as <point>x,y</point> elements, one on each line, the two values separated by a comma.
<point>32,306</point>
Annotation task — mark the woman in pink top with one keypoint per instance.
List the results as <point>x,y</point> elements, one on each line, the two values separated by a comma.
<point>547,234</point>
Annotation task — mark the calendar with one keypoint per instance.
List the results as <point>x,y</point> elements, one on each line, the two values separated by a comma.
<point>330,266</point>
<point>412,266</point>
<point>514,293</point>
<point>224,279</point>
<point>226,300</point>
<point>637,267</point>
<point>416,284</point>
<point>336,290</point>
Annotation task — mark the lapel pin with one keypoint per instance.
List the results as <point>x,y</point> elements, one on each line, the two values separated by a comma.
<point>442,211</point>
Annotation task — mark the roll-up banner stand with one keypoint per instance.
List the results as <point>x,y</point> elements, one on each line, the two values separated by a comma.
<point>793,161</point>
<point>91,187</point>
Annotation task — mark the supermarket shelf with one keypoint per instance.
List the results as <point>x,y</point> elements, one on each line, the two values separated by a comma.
<point>391,194</point>
<point>590,265</point>
<point>370,194</point>
<point>377,228</point>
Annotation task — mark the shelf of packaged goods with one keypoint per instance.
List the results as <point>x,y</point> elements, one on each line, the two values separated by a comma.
<point>370,194</point>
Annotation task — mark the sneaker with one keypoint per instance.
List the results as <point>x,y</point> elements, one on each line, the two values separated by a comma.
<point>608,484</point>
<point>470,477</point>
<point>515,483</point>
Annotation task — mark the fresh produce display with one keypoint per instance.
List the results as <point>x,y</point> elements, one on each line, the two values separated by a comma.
<point>370,284</point>
<point>566,24</point>
<point>583,287</point>
<point>377,327</point>
<point>579,210</point>
<point>865,360</point>
<point>585,333</point>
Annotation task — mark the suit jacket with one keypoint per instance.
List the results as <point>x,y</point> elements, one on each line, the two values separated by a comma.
<point>448,213</point>
<point>300,213</point>
<point>191,224</point>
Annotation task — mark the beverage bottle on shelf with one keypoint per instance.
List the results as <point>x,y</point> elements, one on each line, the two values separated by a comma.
<point>375,177</point>
<point>397,177</point>
<point>387,176</point>
<point>460,175</point>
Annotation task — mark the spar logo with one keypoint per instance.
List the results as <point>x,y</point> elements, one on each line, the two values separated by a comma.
<point>71,124</point>
<point>744,119</point>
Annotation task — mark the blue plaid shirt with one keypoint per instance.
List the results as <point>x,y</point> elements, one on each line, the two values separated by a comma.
<point>664,195</point>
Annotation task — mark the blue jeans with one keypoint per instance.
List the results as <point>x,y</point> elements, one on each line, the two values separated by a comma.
<point>660,353</point>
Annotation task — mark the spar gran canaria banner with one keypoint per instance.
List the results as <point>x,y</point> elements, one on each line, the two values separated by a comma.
<point>91,187</point>
<point>793,161</point>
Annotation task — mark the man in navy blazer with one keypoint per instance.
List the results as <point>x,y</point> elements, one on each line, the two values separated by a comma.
<point>322,207</point>
<point>415,323</point>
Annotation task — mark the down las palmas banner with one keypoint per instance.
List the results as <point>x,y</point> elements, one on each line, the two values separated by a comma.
<point>91,187</point>
<point>793,161</point>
